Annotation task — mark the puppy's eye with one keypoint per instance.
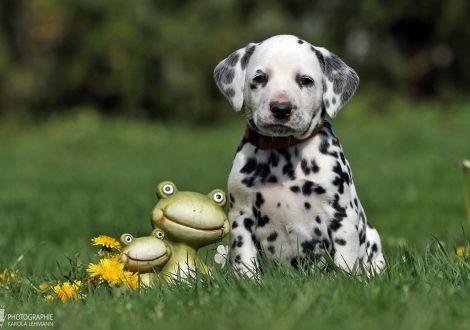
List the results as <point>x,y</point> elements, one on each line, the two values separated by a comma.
<point>261,79</point>
<point>306,81</point>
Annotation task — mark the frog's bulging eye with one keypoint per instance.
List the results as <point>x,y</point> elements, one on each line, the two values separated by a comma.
<point>128,239</point>
<point>218,197</point>
<point>168,189</point>
<point>159,235</point>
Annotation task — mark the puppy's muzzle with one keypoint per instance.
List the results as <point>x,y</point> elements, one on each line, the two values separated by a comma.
<point>281,110</point>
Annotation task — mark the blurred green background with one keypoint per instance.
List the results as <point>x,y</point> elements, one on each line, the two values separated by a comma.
<point>102,100</point>
<point>154,58</point>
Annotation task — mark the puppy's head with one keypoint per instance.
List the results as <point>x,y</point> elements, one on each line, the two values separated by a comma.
<point>286,85</point>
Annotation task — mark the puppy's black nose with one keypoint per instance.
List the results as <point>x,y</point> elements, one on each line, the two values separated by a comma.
<point>281,110</point>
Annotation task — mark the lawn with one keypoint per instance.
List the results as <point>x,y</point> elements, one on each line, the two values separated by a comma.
<point>74,178</point>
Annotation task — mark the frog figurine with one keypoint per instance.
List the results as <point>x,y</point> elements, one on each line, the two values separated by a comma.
<point>147,255</point>
<point>189,220</point>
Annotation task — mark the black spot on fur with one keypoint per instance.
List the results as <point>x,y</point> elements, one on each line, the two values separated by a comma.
<point>300,41</point>
<point>341,179</point>
<point>234,225</point>
<point>335,225</point>
<point>340,213</point>
<point>229,92</point>
<point>249,50</point>
<point>288,170</point>
<point>272,237</point>
<point>343,159</point>
<point>263,170</point>
<point>319,57</point>
<point>307,205</point>
<point>238,259</point>
<point>257,170</point>
<point>224,73</point>
<point>278,205</point>
<point>259,200</point>
<point>317,231</point>
<point>250,166</point>
<point>319,190</point>
<point>324,149</point>
<point>272,179</point>
<point>324,145</point>
<point>253,238</point>
<point>237,242</point>
<point>328,128</point>
<point>375,248</point>
<point>311,249</point>
<point>248,224</point>
<point>294,263</point>
<point>249,181</point>
<point>273,160</point>
<point>318,219</point>
<point>362,237</point>
<point>295,189</point>
<point>232,60</point>
<point>307,188</point>
<point>314,167</point>
<point>272,249</point>
<point>335,142</point>
<point>304,166</point>
<point>340,241</point>
<point>262,220</point>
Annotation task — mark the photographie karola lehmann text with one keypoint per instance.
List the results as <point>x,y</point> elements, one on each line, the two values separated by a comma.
<point>28,320</point>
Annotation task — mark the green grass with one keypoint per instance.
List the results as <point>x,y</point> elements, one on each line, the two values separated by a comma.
<point>71,179</point>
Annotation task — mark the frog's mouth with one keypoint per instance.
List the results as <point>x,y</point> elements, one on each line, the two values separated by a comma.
<point>145,260</point>
<point>206,230</point>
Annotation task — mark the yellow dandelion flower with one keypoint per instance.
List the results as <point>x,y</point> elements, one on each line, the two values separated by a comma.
<point>5,277</point>
<point>67,290</point>
<point>106,242</point>
<point>109,269</point>
<point>43,286</point>
<point>49,297</point>
<point>130,279</point>
<point>463,251</point>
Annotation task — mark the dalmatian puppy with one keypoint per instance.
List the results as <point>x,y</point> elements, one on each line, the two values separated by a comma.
<point>291,191</point>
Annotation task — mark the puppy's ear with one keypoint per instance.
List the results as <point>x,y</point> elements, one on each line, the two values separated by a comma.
<point>230,75</point>
<point>339,80</point>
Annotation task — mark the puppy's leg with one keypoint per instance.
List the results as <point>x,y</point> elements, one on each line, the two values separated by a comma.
<point>374,258</point>
<point>345,242</point>
<point>243,251</point>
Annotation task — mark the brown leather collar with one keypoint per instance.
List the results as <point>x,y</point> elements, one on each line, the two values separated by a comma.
<point>268,142</point>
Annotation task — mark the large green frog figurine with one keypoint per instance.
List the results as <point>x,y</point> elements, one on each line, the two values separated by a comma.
<point>189,220</point>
